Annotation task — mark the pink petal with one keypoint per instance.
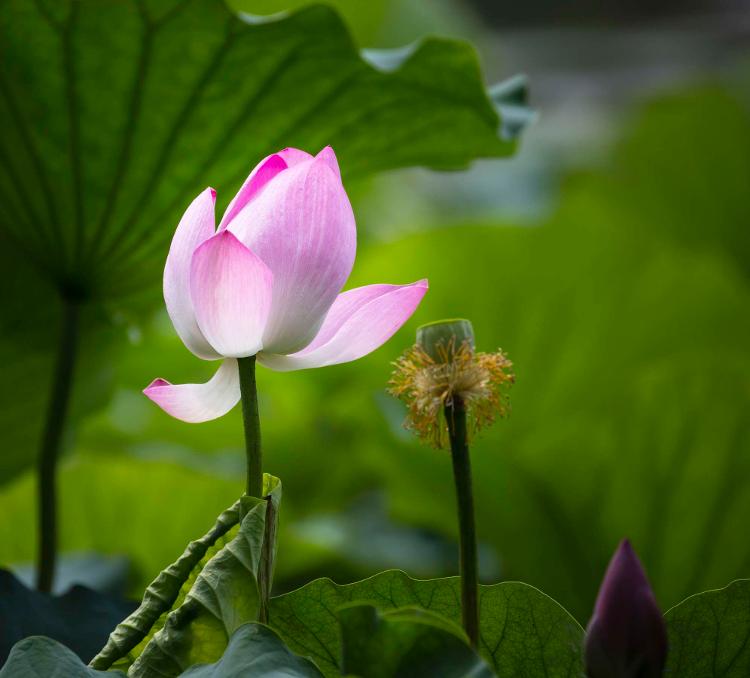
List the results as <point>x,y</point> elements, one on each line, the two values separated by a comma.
<point>264,171</point>
<point>195,403</point>
<point>302,227</point>
<point>231,290</point>
<point>359,321</point>
<point>329,158</point>
<point>294,156</point>
<point>196,225</point>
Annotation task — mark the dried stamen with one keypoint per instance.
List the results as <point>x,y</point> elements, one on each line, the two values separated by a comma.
<point>427,385</point>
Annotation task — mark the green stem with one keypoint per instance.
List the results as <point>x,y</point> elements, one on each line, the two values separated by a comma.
<point>249,391</point>
<point>54,428</point>
<point>455,415</point>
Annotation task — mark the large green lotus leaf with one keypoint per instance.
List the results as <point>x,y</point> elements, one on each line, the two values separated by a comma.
<point>191,610</point>
<point>522,630</point>
<point>709,634</point>
<point>404,642</point>
<point>255,651</point>
<point>114,115</point>
<point>40,657</point>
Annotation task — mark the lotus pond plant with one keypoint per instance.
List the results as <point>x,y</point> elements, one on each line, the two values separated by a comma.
<point>92,187</point>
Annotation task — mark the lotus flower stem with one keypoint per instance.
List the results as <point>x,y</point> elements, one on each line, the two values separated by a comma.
<point>444,373</point>
<point>251,420</point>
<point>455,415</point>
<point>54,428</point>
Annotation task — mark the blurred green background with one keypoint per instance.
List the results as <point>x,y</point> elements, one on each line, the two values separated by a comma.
<point>610,258</point>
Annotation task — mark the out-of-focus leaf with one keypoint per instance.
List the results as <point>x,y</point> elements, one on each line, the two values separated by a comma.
<point>40,657</point>
<point>709,634</point>
<point>683,169</point>
<point>521,628</point>
<point>510,97</point>
<point>255,651</point>
<point>80,618</point>
<point>214,599</point>
<point>404,643</point>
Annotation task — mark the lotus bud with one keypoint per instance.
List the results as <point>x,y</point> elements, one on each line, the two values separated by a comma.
<point>626,637</point>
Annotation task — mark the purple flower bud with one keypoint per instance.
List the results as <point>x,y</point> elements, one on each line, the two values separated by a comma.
<point>626,637</point>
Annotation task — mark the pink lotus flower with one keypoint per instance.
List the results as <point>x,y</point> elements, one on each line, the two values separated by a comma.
<point>268,282</point>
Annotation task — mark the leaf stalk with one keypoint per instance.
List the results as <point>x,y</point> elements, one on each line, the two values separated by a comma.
<point>49,452</point>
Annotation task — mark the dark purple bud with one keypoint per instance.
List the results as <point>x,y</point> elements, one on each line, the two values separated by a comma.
<point>626,637</point>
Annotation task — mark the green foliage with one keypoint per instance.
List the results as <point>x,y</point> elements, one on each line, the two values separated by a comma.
<point>629,412</point>
<point>255,651</point>
<point>40,657</point>
<point>402,643</point>
<point>628,318</point>
<point>521,628</point>
<point>709,634</point>
<point>200,602</point>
